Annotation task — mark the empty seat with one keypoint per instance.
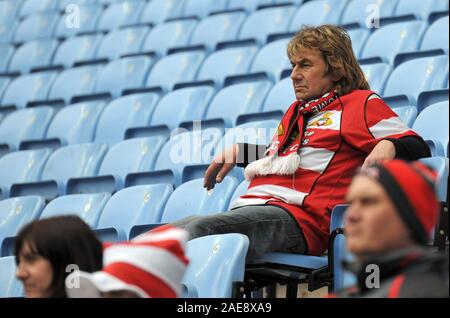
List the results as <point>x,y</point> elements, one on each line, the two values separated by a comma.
<point>87,206</point>
<point>392,39</point>
<point>218,28</point>
<point>25,124</point>
<point>420,8</point>
<point>88,17</point>
<point>182,105</point>
<point>36,27</point>
<point>8,10</point>
<point>74,82</point>
<point>80,48</point>
<point>157,11</point>
<point>123,113</point>
<point>202,8</point>
<point>64,3</point>
<point>361,11</point>
<point>6,52</point>
<point>377,75</point>
<point>7,31</point>
<point>317,13</point>
<point>9,285</point>
<point>248,5</point>
<point>191,198</point>
<point>216,263</point>
<point>120,14</point>
<point>76,123</point>
<point>359,37</point>
<point>130,40</point>
<point>227,62</point>
<point>175,68</point>
<point>134,206</point>
<point>407,114</point>
<point>267,21</point>
<point>280,97</point>
<point>27,88</point>
<point>20,167</point>
<point>30,7</point>
<point>33,54</point>
<point>238,99</point>
<point>168,35</point>
<point>436,36</point>
<point>272,59</point>
<point>123,74</point>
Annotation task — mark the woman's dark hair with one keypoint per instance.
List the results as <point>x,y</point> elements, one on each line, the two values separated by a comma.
<point>62,240</point>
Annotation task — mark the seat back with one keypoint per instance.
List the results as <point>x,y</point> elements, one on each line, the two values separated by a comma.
<point>130,40</point>
<point>80,48</point>
<point>33,54</point>
<point>272,59</point>
<point>9,285</point>
<point>377,75</point>
<point>120,14</point>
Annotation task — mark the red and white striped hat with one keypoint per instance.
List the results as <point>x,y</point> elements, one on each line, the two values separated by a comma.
<point>151,265</point>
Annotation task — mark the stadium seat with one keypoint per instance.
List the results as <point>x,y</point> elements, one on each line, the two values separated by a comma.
<point>316,13</point>
<point>8,10</point>
<point>35,27</point>
<point>9,285</point>
<point>413,77</point>
<point>280,97</point>
<point>168,35</point>
<point>407,114</point>
<point>123,113</point>
<point>202,8</point>
<point>433,124</point>
<point>33,54</point>
<point>64,3</point>
<point>377,74</point>
<point>227,62</point>
<point>88,18</point>
<point>157,11</point>
<point>436,36</point>
<point>25,124</point>
<point>132,206</point>
<point>87,206</point>
<point>358,11</point>
<point>120,14</point>
<point>272,59</point>
<point>6,52</point>
<point>248,5</point>
<point>28,88</point>
<point>216,263</point>
<point>359,37</point>
<point>175,68</point>
<point>236,100</point>
<point>21,166</point>
<point>30,7</point>
<point>393,39</point>
<point>7,31</point>
<point>441,166</point>
<point>130,40</point>
<point>77,49</point>
<point>420,8</point>
<point>4,82</point>
<point>123,74</point>
<point>74,82</point>
<point>218,28</point>
<point>240,190</point>
<point>191,198</point>
<point>264,22</point>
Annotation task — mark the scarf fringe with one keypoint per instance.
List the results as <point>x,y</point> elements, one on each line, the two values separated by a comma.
<point>277,165</point>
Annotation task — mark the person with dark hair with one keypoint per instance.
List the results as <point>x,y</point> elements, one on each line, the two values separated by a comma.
<point>388,224</point>
<point>45,249</point>
<point>335,125</point>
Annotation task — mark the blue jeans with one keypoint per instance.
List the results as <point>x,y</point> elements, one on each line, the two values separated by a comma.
<point>268,227</point>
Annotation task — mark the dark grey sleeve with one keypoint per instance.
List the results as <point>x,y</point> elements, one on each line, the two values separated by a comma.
<point>249,153</point>
<point>410,148</point>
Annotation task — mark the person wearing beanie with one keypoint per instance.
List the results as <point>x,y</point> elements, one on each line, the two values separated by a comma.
<point>151,265</point>
<point>391,215</point>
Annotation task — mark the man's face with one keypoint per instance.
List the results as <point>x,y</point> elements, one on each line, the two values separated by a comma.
<point>372,223</point>
<point>308,75</point>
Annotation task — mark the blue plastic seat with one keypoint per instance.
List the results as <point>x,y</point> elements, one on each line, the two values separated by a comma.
<point>191,198</point>
<point>6,52</point>
<point>356,11</point>
<point>87,206</point>
<point>28,88</point>
<point>123,74</point>
<point>74,82</point>
<point>240,190</point>
<point>20,167</point>
<point>317,13</point>
<point>123,113</point>
<point>25,124</point>
<point>36,27</point>
<point>157,11</point>
<point>132,206</point>
<point>9,9</point>
<point>436,36</point>
<point>377,75</point>
<point>9,285</point>
<point>120,14</point>
<point>418,75</point>
<point>248,5</point>
<point>420,8</point>
<point>89,16</point>
<point>76,124</point>
<point>64,3</point>
<point>188,104</point>
<point>218,28</point>
<point>272,59</point>
<point>168,35</point>
<point>216,262</point>
<point>236,100</point>
<point>4,82</point>
<point>280,97</point>
<point>30,7</point>
<point>227,62</point>
<point>175,68</point>
<point>359,37</point>
<point>80,48</point>
<point>264,22</point>
<point>33,54</point>
<point>392,39</point>
<point>441,166</point>
<point>130,40</point>
<point>7,31</point>
<point>432,124</point>
<point>202,8</point>
<point>407,114</point>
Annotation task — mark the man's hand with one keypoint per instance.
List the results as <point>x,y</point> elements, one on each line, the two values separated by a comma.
<point>220,166</point>
<point>383,151</point>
